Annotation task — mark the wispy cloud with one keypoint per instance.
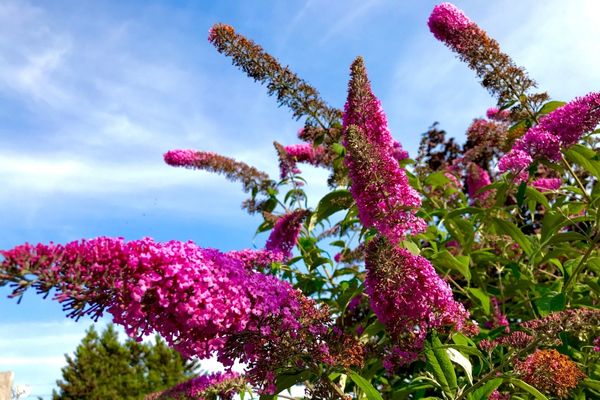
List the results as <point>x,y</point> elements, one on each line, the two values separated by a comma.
<point>348,14</point>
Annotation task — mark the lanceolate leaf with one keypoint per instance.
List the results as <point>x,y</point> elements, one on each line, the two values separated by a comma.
<point>528,388</point>
<point>365,386</point>
<point>585,157</point>
<point>510,229</point>
<point>331,203</point>
<point>440,366</point>
<point>486,389</point>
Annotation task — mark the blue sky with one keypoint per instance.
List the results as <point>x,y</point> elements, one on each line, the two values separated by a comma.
<point>93,93</point>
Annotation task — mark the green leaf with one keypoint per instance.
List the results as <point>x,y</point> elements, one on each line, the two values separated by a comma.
<point>585,157</point>
<point>566,237</point>
<point>445,260</point>
<point>338,148</point>
<point>534,194</point>
<point>593,263</point>
<point>331,203</point>
<point>550,106</point>
<point>472,351</point>
<point>528,388</point>
<point>484,391</point>
<point>551,303</point>
<point>521,193</point>
<point>436,179</point>
<point>551,223</point>
<point>592,384</point>
<point>482,297</point>
<point>456,357</point>
<point>412,247</point>
<point>510,229</point>
<point>365,386</point>
<point>440,366</point>
<point>373,329</point>
<point>464,210</point>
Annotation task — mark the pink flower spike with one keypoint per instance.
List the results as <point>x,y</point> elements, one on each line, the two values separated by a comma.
<point>383,195</point>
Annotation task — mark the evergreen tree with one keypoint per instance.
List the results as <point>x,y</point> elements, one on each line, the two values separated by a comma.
<point>104,368</point>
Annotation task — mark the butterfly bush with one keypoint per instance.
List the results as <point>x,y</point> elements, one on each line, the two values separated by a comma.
<point>498,73</point>
<point>547,184</point>
<point>494,113</point>
<point>285,232</point>
<point>477,179</point>
<point>397,265</point>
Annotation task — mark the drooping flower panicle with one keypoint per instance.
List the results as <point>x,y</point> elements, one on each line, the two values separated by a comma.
<point>547,184</point>
<point>477,179</point>
<point>290,156</point>
<point>561,128</point>
<point>498,73</point>
<point>291,91</point>
<point>383,195</point>
<point>498,318</point>
<point>495,114</point>
<point>234,170</point>
<point>200,300</point>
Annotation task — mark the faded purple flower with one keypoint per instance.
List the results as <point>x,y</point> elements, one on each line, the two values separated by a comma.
<point>250,177</point>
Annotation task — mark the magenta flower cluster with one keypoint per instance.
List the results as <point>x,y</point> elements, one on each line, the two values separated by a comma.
<point>301,153</point>
<point>181,158</point>
<point>200,300</point>
<point>477,179</point>
<point>196,298</point>
<point>383,195</point>
<point>409,298</point>
<point>494,113</point>
<point>285,233</point>
<point>446,22</point>
<point>562,127</point>
<point>204,387</point>
<point>498,318</point>
<point>547,184</point>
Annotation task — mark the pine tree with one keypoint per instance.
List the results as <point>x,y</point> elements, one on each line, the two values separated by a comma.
<point>104,368</point>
